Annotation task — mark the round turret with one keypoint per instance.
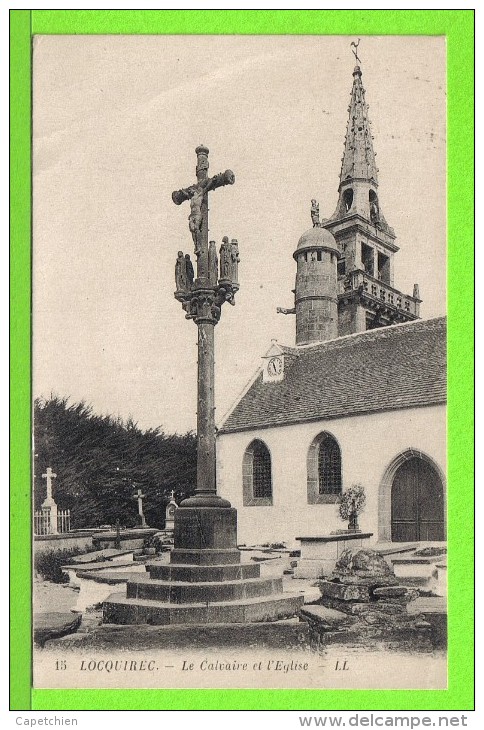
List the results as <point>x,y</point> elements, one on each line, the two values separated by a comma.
<point>316,292</point>
<point>314,239</point>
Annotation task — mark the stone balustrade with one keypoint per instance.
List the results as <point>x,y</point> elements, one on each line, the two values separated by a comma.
<point>360,280</point>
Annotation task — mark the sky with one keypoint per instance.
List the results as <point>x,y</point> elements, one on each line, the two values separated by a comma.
<point>116,123</point>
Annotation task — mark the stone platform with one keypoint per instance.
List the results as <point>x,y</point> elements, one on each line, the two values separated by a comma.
<point>320,553</point>
<point>204,583</point>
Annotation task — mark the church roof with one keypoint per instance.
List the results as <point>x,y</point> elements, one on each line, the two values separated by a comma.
<point>395,367</point>
<point>359,157</point>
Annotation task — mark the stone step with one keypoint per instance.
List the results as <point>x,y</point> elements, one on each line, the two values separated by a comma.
<point>110,576</point>
<point>229,556</point>
<point>203,573</point>
<point>118,609</point>
<point>110,554</point>
<point>83,567</point>
<point>165,591</point>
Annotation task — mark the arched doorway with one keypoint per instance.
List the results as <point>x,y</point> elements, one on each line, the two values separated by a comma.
<point>417,502</point>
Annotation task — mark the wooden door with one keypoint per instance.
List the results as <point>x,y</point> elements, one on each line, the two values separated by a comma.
<point>417,503</point>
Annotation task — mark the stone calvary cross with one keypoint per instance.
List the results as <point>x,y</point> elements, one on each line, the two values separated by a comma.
<point>202,298</point>
<point>140,496</point>
<point>204,581</point>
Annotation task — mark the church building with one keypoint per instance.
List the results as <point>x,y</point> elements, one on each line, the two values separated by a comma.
<point>361,397</point>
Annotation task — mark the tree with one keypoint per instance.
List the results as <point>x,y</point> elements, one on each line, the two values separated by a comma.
<point>100,462</point>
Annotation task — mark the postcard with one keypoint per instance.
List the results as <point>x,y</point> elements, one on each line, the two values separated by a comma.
<point>241,462</point>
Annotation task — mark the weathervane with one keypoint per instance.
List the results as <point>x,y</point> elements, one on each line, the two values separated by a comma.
<point>355,52</point>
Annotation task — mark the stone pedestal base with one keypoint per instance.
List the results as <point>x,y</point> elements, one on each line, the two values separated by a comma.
<point>319,554</point>
<point>204,582</point>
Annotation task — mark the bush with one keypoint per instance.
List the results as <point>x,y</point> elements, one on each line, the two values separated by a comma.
<point>48,565</point>
<point>352,501</point>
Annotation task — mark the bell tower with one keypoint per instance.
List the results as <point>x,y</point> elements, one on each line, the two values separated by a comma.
<point>345,279</point>
<point>366,294</point>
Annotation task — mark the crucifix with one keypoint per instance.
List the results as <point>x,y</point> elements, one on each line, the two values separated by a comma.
<point>140,496</point>
<point>49,475</point>
<point>202,298</point>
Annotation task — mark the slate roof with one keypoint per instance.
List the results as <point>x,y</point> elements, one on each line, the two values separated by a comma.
<point>401,366</point>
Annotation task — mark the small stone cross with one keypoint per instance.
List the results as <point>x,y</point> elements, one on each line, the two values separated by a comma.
<point>49,475</point>
<point>172,495</point>
<point>140,496</point>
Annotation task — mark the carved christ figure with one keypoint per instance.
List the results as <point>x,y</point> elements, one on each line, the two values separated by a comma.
<point>195,194</point>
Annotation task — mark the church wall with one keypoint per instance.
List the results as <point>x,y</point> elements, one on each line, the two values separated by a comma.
<point>368,443</point>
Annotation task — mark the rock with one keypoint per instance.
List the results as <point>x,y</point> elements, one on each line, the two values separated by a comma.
<point>389,591</point>
<point>363,562</point>
<point>55,624</point>
<point>343,591</point>
<point>380,607</point>
<point>372,617</point>
<point>430,552</point>
<point>370,581</point>
<point>362,566</point>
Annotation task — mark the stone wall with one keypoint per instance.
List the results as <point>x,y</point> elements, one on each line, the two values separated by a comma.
<point>369,446</point>
<point>65,541</point>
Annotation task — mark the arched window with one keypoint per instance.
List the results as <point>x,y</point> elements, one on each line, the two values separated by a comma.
<point>374,208</point>
<point>329,467</point>
<point>324,470</point>
<point>347,199</point>
<point>257,475</point>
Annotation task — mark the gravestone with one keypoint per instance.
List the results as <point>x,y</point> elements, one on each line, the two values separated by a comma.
<point>140,496</point>
<point>170,513</point>
<point>49,506</point>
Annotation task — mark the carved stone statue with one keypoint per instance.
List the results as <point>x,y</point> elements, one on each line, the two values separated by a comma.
<point>235,258</point>
<point>212,263</point>
<point>226,259</point>
<point>181,273</point>
<point>374,213</point>
<point>189,270</point>
<point>195,217</point>
<point>315,213</point>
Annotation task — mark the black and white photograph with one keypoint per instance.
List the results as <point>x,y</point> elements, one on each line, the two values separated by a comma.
<point>239,361</point>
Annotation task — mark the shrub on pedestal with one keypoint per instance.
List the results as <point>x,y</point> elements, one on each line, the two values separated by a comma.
<point>352,504</point>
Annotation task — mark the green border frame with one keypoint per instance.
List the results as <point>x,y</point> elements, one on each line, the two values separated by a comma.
<point>458,27</point>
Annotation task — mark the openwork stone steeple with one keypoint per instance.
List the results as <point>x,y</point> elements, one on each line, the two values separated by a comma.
<point>345,275</point>
<point>359,157</point>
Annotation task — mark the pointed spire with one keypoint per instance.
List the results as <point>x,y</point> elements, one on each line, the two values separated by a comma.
<point>359,158</point>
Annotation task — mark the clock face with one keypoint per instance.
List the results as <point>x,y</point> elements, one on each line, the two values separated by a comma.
<point>275,366</point>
